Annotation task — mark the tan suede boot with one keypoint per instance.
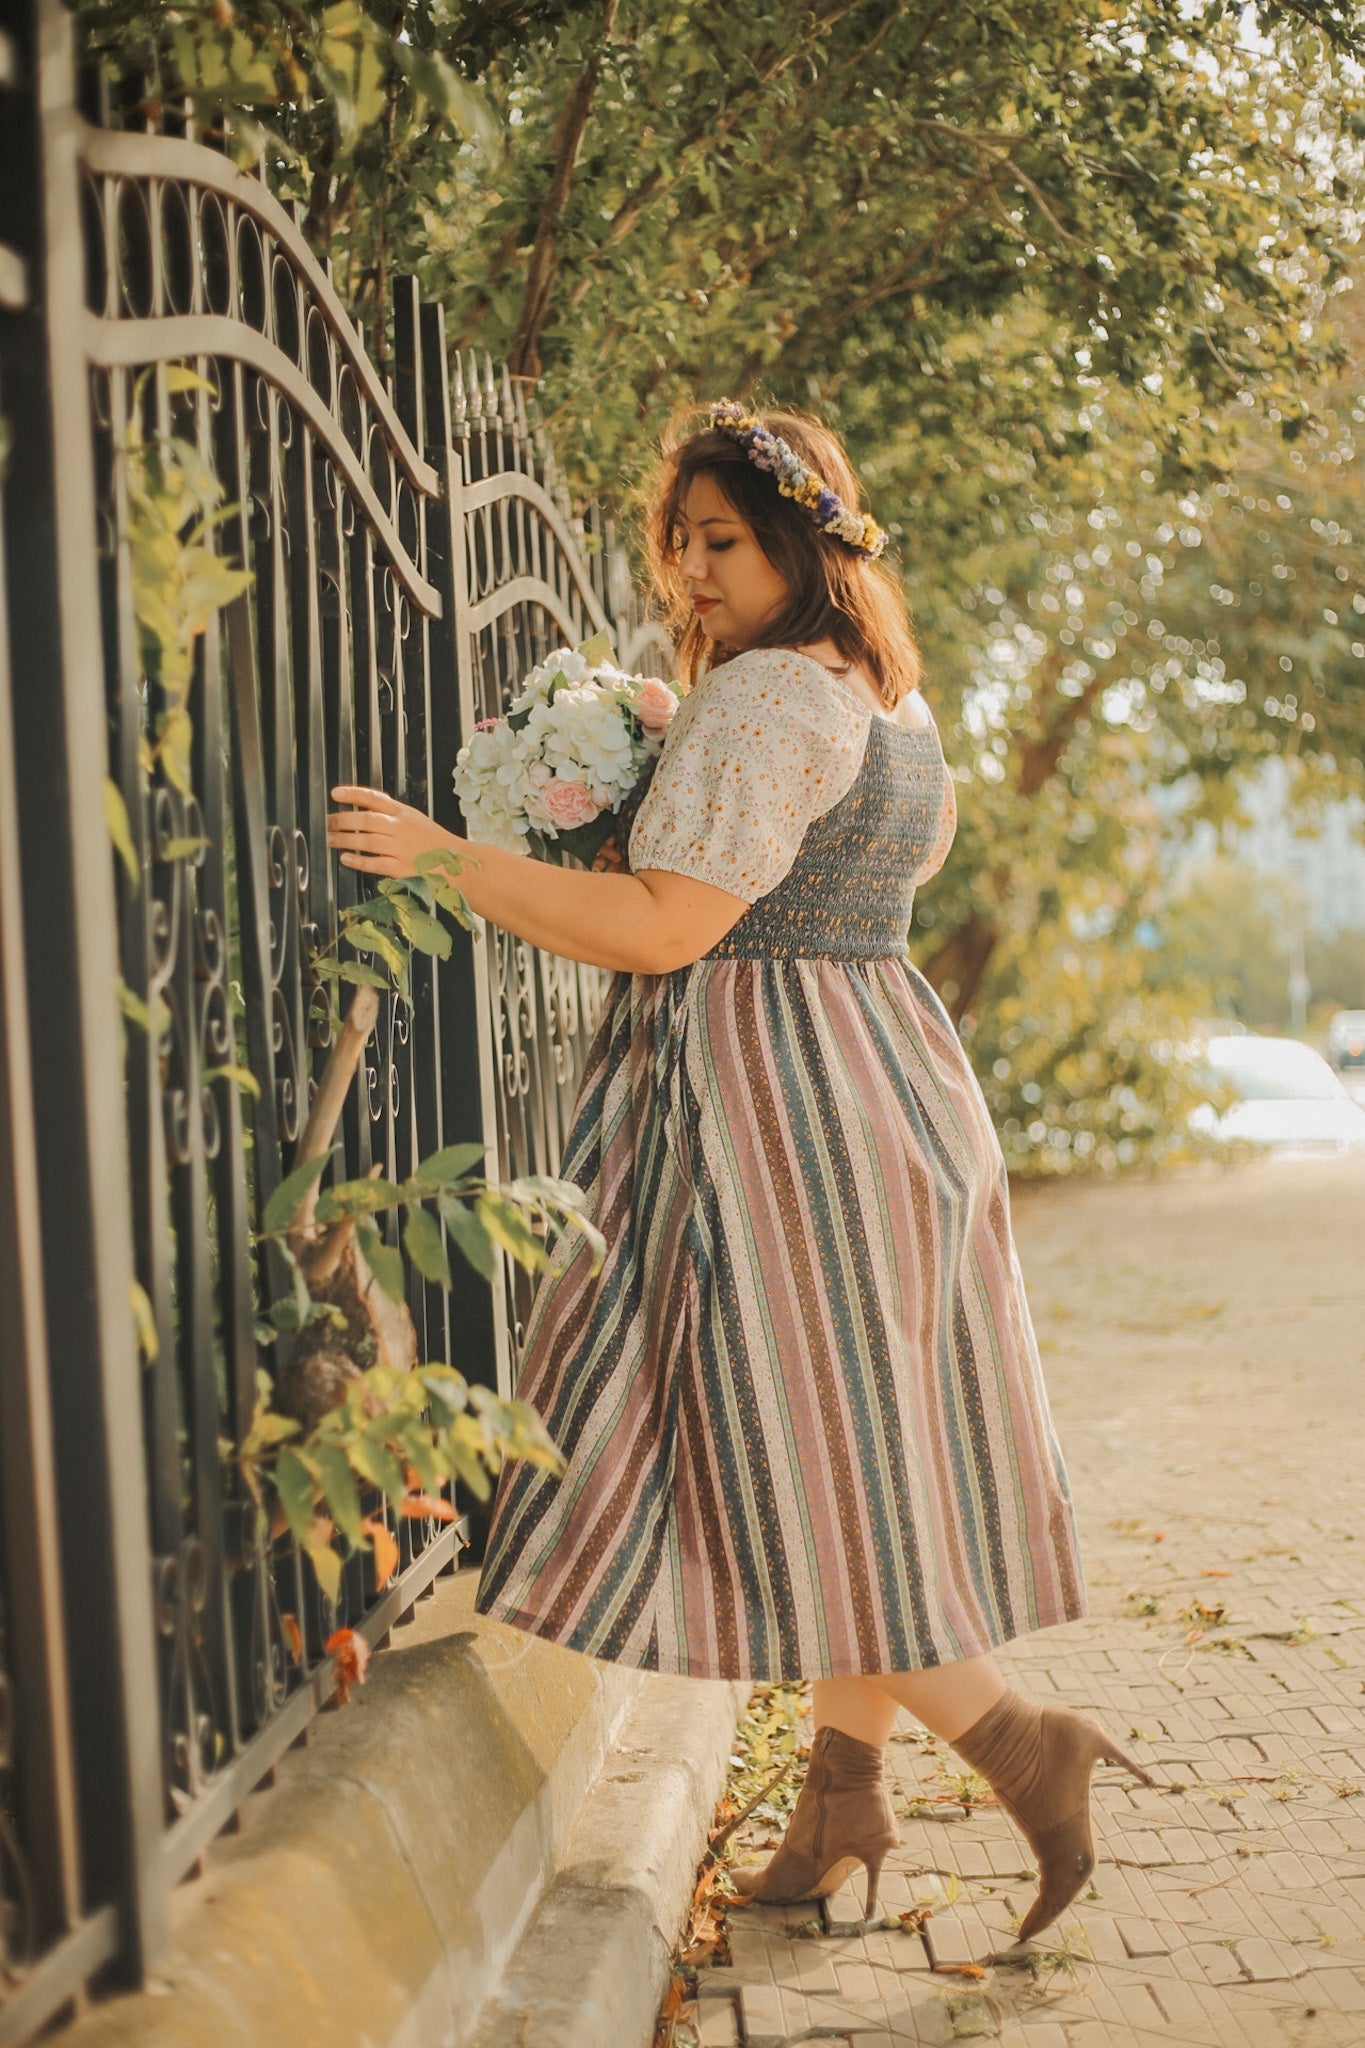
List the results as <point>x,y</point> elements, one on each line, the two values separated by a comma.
<point>843,1817</point>
<point>1037,1761</point>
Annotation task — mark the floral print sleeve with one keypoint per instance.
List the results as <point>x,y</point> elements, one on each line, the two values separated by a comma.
<point>758,750</point>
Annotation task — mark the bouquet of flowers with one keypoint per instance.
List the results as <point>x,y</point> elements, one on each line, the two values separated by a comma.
<point>550,776</point>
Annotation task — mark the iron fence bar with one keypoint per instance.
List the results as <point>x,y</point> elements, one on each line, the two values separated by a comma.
<point>43,1848</point>
<point>476,1315</point>
<point>410,344</point>
<point>69,911</point>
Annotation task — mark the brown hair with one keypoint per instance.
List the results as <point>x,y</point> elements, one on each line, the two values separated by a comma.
<point>832,592</point>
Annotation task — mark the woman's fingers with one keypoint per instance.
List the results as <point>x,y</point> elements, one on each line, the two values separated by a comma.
<point>352,824</point>
<point>368,799</point>
<point>384,864</point>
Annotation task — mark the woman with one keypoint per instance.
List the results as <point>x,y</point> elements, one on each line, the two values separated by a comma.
<point>801,1403</point>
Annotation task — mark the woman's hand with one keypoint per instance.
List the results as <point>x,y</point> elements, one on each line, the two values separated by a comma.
<point>382,836</point>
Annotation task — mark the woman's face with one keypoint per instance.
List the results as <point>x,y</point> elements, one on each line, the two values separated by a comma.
<point>733,587</point>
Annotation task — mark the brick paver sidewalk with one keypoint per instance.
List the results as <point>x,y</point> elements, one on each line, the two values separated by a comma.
<point>1203,1339</point>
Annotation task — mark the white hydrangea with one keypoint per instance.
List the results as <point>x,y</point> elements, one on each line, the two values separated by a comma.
<point>583,736</point>
<point>563,662</point>
<point>492,783</point>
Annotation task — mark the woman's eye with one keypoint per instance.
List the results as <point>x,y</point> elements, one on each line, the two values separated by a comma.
<point>721,547</point>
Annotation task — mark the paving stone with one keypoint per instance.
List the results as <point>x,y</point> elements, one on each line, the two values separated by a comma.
<point>718,2023</point>
<point>805,1967</point>
<point>1215,1964</point>
<point>761,2005</point>
<point>959,1938</point>
<point>1141,1938</point>
<point>857,1982</point>
<point>1269,1962</point>
<point>1178,2001</point>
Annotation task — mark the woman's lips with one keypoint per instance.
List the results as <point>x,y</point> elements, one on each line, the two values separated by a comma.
<point>705,604</point>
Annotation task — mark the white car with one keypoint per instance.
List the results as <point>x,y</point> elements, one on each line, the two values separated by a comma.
<point>1285,1094</point>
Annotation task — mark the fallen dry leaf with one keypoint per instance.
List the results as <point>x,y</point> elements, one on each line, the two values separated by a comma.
<point>293,1638</point>
<point>959,1969</point>
<point>352,1654</point>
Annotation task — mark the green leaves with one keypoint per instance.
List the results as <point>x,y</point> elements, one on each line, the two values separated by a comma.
<point>144,1318</point>
<point>451,1163</point>
<point>423,1244</point>
<point>356,1198</point>
<point>469,1234</point>
<point>295,1476</point>
<point>383,1261</point>
<point>437,870</point>
<point>283,1204</point>
<point>120,831</point>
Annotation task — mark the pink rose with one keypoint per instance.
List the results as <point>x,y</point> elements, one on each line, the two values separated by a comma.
<point>655,705</point>
<point>488,724</point>
<point>568,804</point>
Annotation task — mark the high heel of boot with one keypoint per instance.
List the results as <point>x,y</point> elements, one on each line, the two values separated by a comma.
<point>873,1866</point>
<point>843,1818</point>
<point>1112,1754</point>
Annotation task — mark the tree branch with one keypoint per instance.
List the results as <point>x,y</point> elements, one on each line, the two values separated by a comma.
<point>568,141</point>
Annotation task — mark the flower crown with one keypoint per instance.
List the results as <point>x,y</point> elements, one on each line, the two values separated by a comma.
<point>824,508</point>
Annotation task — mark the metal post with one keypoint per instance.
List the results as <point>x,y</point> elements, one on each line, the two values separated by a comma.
<point>69,911</point>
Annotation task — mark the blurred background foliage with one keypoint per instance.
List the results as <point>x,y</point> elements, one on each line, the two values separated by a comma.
<point>1075,279</point>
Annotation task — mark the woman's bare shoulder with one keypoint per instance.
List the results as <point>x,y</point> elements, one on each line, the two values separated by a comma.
<point>912,711</point>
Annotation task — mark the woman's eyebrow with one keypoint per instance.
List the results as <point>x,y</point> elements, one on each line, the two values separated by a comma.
<point>718,519</point>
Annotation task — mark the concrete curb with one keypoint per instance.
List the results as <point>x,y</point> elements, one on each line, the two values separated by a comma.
<point>375,1896</point>
<point>593,1963</point>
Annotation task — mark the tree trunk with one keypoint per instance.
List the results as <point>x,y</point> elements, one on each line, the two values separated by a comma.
<point>955,970</point>
<point>958,966</point>
<point>568,141</point>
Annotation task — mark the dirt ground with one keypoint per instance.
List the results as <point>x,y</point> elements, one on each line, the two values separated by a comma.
<point>1203,1337</point>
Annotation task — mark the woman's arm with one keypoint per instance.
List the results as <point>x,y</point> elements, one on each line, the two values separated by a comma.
<point>650,923</point>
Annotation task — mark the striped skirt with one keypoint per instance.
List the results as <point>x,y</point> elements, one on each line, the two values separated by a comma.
<point>801,1404</point>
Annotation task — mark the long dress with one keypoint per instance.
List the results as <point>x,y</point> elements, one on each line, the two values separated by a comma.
<point>801,1406</point>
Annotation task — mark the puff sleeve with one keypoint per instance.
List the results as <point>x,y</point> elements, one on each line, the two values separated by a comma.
<point>758,750</point>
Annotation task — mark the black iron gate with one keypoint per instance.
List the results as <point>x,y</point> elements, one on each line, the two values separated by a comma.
<point>410,556</point>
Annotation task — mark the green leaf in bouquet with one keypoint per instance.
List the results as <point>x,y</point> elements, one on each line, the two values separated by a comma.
<point>596,650</point>
<point>584,842</point>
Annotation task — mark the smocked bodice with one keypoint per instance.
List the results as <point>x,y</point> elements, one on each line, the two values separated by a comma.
<point>849,893</point>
